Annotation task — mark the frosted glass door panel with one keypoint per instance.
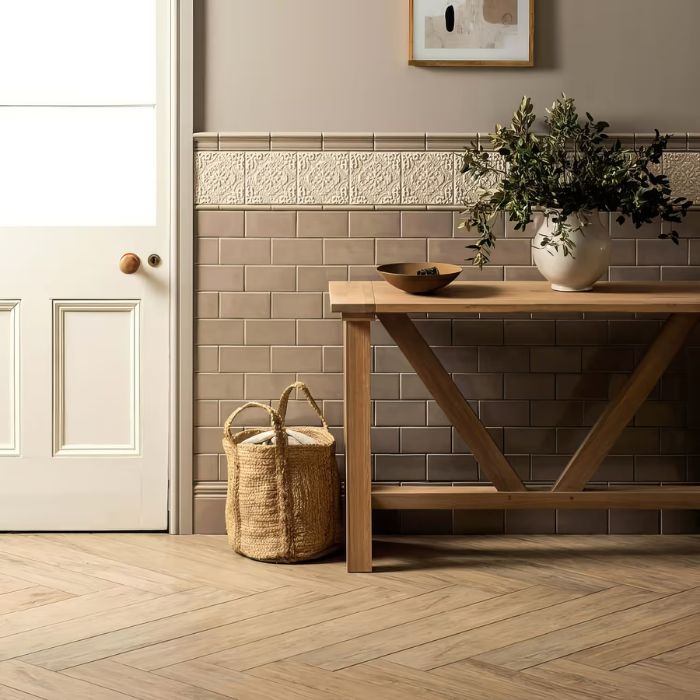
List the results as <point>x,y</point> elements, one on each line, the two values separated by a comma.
<point>83,166</point>
<point>77,52</point>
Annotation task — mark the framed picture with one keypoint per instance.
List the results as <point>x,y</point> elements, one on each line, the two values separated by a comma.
<point>471,32</point>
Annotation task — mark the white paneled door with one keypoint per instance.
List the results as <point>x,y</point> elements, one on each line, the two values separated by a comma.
<point>84,327</point>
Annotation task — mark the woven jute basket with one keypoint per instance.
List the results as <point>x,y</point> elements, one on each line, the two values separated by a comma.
<point>282,502</point>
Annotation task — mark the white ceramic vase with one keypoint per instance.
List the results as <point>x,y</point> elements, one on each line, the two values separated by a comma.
<point>579,271</point>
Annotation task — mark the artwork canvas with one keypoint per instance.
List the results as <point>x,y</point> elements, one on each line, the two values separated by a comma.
<point>471,32</point>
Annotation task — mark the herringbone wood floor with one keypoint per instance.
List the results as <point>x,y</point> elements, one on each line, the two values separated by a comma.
<point>158,617</point>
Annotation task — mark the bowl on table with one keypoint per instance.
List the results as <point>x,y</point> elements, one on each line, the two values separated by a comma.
<point>419,278</point>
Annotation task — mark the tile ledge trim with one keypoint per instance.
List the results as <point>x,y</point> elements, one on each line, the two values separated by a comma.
<point>380,141</point>
<point>341,207</point>
<point>329,207</point>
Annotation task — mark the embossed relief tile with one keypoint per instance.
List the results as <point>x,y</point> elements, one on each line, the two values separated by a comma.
<point>219,177</point>
<point>271,177</point>
<point>427,178</point>
<point>683,170</point>
<point>324,178</point>
<point>375,178</point>
<point>466,187</point>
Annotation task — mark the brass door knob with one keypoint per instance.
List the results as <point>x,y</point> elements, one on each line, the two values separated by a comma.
<point>129,263</point>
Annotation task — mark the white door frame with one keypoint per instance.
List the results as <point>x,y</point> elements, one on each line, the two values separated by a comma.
<point>182,273</point>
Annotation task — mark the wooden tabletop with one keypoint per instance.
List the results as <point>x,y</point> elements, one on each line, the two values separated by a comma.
<point>532,297</point>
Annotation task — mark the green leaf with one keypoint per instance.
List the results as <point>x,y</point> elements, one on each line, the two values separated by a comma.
<point>573,166</point>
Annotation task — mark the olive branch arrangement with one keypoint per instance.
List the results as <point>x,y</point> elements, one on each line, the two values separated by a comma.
<point>572,168</point>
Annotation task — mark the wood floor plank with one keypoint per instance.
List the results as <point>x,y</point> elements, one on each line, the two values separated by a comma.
<point>168,559</point>
<point>396,573</point>
<point>645,561</point>
<point>70,609</point>
<point>8,584</point>
<point>595,571</point>
<point>669,676</point>
<point>361,646</point>
<point>689,655</point>
<point>574,639</point>
<point>298,674</point>
<point>67,554</point>
<point>227,640</point>
<point>50,685</point>
<point>480,681</point>
<point>197,554</point>
<point>642,645</point>
<point>429,607</point>
<point>184,647</point>
<point>51,576</point>
<point>322,576</point>
<point>668,574</point>
<point>410,680</point>
<point>522,627</point>
<point>171,629</point>
<point>36,640</point>
<point>600,683</point>
<point>233,684</point>
<point>30,597</point>
<point>460,565</point>
<point>7,693</point>
<point>513,563</point>
<point>189,558</point>
<point>139,684</point>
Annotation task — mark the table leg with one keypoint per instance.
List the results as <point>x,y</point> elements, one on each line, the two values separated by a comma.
<point>358,457</point>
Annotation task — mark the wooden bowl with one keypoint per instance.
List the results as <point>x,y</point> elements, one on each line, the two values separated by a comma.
<point>405,276</point>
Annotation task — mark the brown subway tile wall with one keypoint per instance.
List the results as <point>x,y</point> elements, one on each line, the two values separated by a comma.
<point>537,382</point>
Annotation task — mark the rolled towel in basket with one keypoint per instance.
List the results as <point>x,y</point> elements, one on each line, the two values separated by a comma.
<point>268,437</point>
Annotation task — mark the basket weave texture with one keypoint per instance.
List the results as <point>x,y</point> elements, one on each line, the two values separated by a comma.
<point>282,502</point>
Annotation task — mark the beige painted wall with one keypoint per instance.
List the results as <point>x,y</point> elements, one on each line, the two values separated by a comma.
<point>340,65</point>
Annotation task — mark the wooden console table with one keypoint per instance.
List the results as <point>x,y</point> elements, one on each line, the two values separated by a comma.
<point>362,302</point>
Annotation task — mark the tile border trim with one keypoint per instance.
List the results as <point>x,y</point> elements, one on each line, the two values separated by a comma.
<point>365,171</point>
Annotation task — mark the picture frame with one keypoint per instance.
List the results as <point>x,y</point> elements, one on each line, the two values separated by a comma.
<point>471,33</point>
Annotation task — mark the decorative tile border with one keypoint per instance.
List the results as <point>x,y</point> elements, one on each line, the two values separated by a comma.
<point>683,170</point>
<point>270,177</point>
<point>219,177</point>
<point>375,178</point>
<point>364,170</point>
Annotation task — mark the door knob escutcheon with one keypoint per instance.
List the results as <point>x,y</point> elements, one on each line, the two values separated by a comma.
<point>129,263</point>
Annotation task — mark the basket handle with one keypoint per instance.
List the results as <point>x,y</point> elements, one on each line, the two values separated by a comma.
<point>284,399</point>
<point>275,418</point>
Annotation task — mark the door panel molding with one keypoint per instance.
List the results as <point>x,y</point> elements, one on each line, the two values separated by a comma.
<point>11,446</point>
<point>106,413</point>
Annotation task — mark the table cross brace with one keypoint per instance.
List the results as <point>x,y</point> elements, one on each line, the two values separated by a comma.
<point>620,411</point>
<point>599,441</point>
<point>445,392</point>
